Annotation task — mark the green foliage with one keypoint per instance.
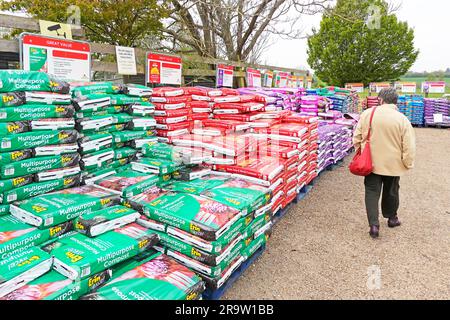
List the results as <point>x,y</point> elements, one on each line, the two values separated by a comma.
<point>346,50</point>
<point>121,22</point>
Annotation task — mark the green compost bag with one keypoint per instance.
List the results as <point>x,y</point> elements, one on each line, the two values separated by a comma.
<point>251,245</point>
<point>138,90</point>
<point>47,98</point>
<point>30,140</point>
<point>29,112</point>
<point>240,194</point>
<point>98,88</point>
<point>12,183</point>
<point>129,183</point>
<point>95,142</point>
<point>7,128</point>
<point>156,166</point>
<point>156,278</point>
<point>99,222</point>
<point>162,151</point>
<point>19,269</point>
<point>125,136</point>
<point>119,118</point>
<point>122,99</point>
<point>62,206</point>
<point>79,256</point>
<point>16,236</point>
<point>125,152</point>
<point>35,165</point>
<point>199,216</point>
<point>55,286</point>
<point>38,188</point>
<point>103,112</point>
<point>258,226</point>
<point>11,156</point>
<point>199,185</point>
<point>204,269</point>
<point>97,160</point>
<point>92,103</point>
<point>4,209</point>
<point>12,99</point>
<point>20,80</point>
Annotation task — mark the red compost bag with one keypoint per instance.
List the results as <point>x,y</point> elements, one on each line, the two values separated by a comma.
<point>238,107</point>
<point>167,92</point>
<point>172,113</point>
<point>171,100</point>
<point>226,124</point>
<point>173,126</point>
<point>238,117</point>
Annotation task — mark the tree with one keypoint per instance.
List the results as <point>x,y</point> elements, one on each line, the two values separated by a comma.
<point>120,22</point>
<point>237,30</point>
<point>351,46</point>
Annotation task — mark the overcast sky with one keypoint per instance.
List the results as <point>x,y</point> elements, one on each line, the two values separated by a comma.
<point>429,18</point>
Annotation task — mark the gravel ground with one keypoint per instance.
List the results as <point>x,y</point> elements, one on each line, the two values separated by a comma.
<point>322,250</point>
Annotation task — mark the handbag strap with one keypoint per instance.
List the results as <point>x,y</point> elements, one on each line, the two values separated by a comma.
<point>370,124</point>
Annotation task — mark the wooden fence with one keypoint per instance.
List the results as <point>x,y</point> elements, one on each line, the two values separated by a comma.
<point>194,67</point>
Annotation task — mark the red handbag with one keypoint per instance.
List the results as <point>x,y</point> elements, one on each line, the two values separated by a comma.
<point>361,164</point>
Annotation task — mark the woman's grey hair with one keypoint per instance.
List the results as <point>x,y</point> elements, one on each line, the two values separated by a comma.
<point>389,95</point>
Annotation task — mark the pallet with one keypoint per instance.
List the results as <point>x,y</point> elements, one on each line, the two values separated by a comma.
<point>219,293</point>
<point>419,125</point>
<point>436,126</point>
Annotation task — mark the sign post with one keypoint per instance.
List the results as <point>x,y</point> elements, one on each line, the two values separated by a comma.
<point>68,60</point>
<point>224,76</point>
<point>163,69</point>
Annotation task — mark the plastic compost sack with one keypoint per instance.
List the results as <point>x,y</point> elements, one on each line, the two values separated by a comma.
<point>7,128</point>
<point>129,183</point>
<point>20,80</point>
<point>35,189</point>
<point>99,222</point>
<point>4,209</point>
<point>23,267</point>
<point>199,185</point>
<point>36,165</point>
<point>79,256</point>
<point>199,216</point>
<point>30,112</point>
<point>47,98</point>
<point>11,99</point>
<point>156,166</point>
<point>155,278</point>
<point>98,88</point>
<point>16,236</point>
<point>30,140</point>
<point>62,206</point>
<point>55,286</point>
<point>8,157</point>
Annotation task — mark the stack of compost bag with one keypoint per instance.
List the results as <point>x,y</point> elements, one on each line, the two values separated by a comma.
<point>38,149</point>
<point>434,109</point>
<point>114,121</point>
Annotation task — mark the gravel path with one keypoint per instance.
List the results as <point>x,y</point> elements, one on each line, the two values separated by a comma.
<point>322,250</point>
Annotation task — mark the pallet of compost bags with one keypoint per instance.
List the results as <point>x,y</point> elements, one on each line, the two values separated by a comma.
<point>29,112</point>
<point>65,205</point>
<point>20,80</point>
<point>156,166</point>
<point>155,278</point>
<point>240,194</point>
<point>105,88</point>
<point>199,216</point>
<point>38,188</point>
<point>99,222</point>
<point>22,268</point>
<point>129,183</point>
<point>79,256</point>
<point>8,157</point>
<point>95,142</point>
<point>35,165</point>
<point>12,99</point>
<point>54,286</point>
<point>206,270</point>
<point>29,140</point>
<point>7,128</point>
<point>16,236</point>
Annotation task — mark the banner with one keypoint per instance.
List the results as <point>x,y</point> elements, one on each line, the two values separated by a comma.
<point>67,60</point>
<point>408,87</point>
<point>254,78</point>
<point>281,79</point>
<point>358,87</point>
<point>434,86</point>
<point>224,77</point>
<point>268,79</point>
<point>378,86</point>
<point>126,60</point>
<point>163,69</point>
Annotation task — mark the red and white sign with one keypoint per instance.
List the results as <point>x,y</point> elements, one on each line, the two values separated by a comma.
<point>163,69</point>
<point>254,78</point>
<point>67,60</point>
<point>224,77</point>
<point>408,87</point>
<point>358,87</point>
<point>378,86</point>
<point>434,86</point>
<point>282,79</point>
